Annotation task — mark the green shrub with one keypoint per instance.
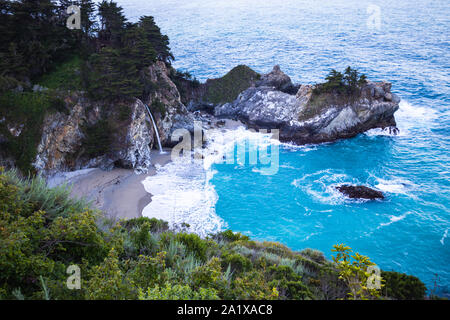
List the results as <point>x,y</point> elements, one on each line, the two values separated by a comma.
<point>403,287</point>
<point>230,236</point>
<point>107,281</point>
<point>97,139</point>
<point>237,262</point>
<point>148,271</point>
<point>35,243</point>
<point>314,255</point>
<point>64,76</point>
<point>253,286</point>
<point>158,107</point>
<point>194,244</point>
<point>178,292</point>
<point>156,225</point>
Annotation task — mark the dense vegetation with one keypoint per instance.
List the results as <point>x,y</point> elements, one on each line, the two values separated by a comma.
<point>41,60</point>
<point>43,232</point>
<point>108,55</point>
<point>228,87</point>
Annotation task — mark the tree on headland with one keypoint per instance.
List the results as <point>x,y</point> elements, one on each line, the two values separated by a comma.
<point>159,42</point>
<point>348,82</point>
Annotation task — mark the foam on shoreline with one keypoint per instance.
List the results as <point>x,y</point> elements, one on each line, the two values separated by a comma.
<point>182,192</point>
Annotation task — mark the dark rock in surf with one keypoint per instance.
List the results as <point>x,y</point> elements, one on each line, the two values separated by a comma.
<point>360,192</point>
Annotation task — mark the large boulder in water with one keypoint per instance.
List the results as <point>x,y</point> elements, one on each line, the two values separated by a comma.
<point>360,192</point>
<point>311,117</point>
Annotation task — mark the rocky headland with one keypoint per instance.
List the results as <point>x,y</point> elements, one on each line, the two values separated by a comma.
<point>88,134</point>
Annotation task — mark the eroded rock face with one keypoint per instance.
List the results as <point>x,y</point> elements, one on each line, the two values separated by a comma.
<point>302,120</point>
<point>61,145</point>
<point>360,192</point>
<point>61,137</point>
<point>137,141</point>
<point>276,79</point>
<point>174,114</point>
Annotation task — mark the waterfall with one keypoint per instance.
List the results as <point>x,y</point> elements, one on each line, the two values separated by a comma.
<point>156,129</point>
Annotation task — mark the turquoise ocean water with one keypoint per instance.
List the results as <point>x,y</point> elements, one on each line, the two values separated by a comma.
<point>407,232</point>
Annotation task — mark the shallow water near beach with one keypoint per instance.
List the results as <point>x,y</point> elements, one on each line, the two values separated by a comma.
<point>406,232</point>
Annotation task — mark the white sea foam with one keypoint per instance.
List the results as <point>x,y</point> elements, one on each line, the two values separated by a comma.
<point>407,117</point>
<point>182,194</point>
<point>395,185</point>
<point>383,132</point>
<point>322,185</point>
<point>392,219</point>
<point>444,236</point>
<point>182,191</point>
<point>411,116</point>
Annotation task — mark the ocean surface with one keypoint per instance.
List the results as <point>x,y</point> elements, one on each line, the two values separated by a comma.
<point>408,44</point>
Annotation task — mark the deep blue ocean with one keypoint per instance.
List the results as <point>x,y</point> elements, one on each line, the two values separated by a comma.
<point>407,232</point>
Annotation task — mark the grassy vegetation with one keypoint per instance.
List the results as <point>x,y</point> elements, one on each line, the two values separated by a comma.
<point>43,232</point>
<point>65,76</point>
<point>26,110</point>
<point>227,88</point>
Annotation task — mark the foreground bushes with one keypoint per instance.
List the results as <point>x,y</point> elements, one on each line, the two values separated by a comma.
<point>43,232</point>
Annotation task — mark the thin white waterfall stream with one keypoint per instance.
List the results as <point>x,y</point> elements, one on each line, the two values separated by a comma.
<point>156,129</point>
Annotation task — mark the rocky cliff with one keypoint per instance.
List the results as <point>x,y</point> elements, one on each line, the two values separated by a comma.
<point>165,102</point>
<point>85,134</point>
<point>307,117</point>
<point>66,137</point>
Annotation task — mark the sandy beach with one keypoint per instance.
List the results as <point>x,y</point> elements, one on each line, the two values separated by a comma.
<point>119,192</point>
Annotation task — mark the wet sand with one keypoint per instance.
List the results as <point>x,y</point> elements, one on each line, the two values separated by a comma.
<point>119,192</point>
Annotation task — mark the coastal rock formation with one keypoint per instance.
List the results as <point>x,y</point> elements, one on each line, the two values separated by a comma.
<point>205,96</point>
<point>165,102</point>
<point>63,143</point>
<point>360,192</point>
<point>277,80</point>
<point>306,117</point>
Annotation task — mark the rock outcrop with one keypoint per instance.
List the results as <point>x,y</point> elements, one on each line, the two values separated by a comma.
<point>61,146</point>
<point>165,102</point>
<point>277,80</point>
<point>205,96</point>
<point>306,118</point>
<point>360,192</point>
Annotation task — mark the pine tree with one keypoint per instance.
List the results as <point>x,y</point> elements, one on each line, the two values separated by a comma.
<point>139,49</point>
<point>159,42</point>
<point>112,22</point>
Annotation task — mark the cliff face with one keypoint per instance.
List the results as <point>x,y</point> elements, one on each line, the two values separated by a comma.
<point>307,118</point>
<point>165,102</point>
<point>63,143</point>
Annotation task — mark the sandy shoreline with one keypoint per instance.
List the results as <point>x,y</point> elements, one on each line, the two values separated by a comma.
<point>119,192</point>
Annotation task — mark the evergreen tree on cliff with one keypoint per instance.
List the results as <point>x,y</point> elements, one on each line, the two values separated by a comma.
<point>159,42</point>
<point>112,23</point>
